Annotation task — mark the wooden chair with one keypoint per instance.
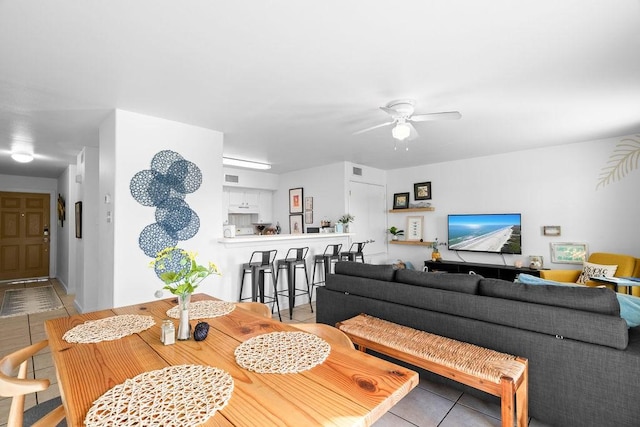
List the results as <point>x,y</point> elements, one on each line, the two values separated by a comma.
<point>333,336</point>
<point>18,386</point>
<point>256,307</point>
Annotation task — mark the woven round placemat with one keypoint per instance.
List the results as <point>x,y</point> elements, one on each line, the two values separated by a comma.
<point>204,309</point>
<point>282,352</point>
<point>182,395</point>
<point>109,328</point>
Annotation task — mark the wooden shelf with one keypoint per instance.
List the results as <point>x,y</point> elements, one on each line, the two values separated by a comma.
<point>405,242</point>
<point>429,209</point>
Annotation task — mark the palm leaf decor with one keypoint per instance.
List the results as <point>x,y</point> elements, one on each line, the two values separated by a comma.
<point>623,161</point>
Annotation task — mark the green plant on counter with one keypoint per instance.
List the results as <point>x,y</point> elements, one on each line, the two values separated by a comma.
<point>346,219</point>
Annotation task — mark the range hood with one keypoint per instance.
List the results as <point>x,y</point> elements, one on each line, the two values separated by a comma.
<point>244,209</point>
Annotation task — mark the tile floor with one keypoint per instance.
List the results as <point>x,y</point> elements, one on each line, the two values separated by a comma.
<point>429,404</point>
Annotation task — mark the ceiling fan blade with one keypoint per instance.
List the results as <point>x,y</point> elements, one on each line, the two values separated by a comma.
<point>374,127</point>
<point>390,111</point>
<point>450,115</point>
<point>413,134</point>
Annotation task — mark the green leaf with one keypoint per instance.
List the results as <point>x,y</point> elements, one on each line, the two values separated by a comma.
<point>622,161</point>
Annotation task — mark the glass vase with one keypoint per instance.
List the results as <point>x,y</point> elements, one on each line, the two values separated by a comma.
<point>184,327</point>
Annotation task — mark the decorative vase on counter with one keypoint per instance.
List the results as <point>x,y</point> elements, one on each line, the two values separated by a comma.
<point>184,327</point>
<point>339,228</point>
<point>435,255</point>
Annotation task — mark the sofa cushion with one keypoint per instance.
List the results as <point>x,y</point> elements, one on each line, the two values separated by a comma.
<point>596,300</point>
<point>590,269</point>
<point>629,304</point>
<point>466,283</point>
<point>369,271</point>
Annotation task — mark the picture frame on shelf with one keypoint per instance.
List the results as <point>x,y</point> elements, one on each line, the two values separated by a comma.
<point>296,225</point>
<point>422,191</point>
<point>414,228</point>
<point>569,252</point>
<point>551,230</point>
<point>295,200</point>
<point>401,201</point>
<point>308,217</point>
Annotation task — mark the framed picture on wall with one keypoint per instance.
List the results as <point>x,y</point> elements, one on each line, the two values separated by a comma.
<point>308,203</point>
<point>308,217</point>
<point>401,201</point>
<point>295,224</point>
<point>414,228</point>
<point>422,191</point>
<point>78,220</point>
<point>295,200</point>
<point>569,253</point>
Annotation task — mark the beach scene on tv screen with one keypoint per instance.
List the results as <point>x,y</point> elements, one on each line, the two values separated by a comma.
<point>485,233</point>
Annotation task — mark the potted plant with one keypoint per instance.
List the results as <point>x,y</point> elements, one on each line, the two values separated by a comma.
<point>342,225</point>
<point>435,254</point>
<point>395,232</point>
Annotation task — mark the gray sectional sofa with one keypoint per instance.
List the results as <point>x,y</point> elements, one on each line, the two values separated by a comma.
<point>584,362</point>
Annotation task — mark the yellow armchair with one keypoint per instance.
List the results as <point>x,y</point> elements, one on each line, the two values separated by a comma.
<point>627,266</point>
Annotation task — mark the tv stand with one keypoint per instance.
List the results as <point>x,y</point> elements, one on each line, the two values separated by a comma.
<point>494,271</point>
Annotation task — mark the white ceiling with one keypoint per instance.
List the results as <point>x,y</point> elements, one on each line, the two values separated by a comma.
<point>288,82</point>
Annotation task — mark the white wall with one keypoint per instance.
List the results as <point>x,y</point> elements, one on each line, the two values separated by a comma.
<point>327,186</point>
<point>107,179</point>
<point>66,244</point>
<point>137,139</point>
<point>87,247</point>
<point>27,184</point>
<point>549,186</point>
<point>251,179</point>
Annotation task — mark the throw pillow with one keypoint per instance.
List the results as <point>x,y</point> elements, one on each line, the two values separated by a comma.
<point>629,305</point>
<point>590,269</point>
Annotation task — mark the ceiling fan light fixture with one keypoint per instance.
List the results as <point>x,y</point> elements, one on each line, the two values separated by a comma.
<point>230,161</point>
<point>401,131</point>
<point>21,157</point>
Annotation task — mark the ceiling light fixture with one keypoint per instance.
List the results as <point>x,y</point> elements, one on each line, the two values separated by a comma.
<point>229,161</point>
<point>22,157</point>
<point>401,131</point>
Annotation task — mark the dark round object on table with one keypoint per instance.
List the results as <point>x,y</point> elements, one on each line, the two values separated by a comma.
<point>201,331</point>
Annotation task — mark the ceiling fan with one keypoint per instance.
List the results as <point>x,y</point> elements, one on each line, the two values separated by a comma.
<point>401,111</point>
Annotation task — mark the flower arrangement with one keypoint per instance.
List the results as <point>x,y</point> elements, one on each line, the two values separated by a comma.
<point>179,270</point>
<point>346,219</point>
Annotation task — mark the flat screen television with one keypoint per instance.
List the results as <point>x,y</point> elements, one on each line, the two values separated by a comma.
<point>495,233</point>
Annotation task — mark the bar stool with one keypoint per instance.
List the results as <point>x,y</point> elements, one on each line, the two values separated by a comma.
<point>295,259</point>
<point>261,262</point>
<point>354,252</point>
<point>330,256</point>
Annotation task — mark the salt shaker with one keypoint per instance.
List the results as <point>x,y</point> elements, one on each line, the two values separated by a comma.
<point>168,334</point>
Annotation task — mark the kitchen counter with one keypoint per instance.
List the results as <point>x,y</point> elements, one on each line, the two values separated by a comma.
<point>270,238</point>
<point>237,251</point>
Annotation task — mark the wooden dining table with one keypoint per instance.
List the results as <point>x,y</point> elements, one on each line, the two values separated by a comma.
<point>350,388</point>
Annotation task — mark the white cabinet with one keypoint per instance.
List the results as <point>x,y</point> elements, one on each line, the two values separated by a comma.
<point>248,201</point>
<point>243,201</point>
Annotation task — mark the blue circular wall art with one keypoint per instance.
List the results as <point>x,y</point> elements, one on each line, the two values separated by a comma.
<point>165,187</point>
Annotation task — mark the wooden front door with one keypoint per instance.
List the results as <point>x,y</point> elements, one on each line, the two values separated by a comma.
<point>24,235</point>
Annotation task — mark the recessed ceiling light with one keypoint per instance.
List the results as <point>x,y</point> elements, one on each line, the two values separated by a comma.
<point>229,161</point>
<point>22,157</point>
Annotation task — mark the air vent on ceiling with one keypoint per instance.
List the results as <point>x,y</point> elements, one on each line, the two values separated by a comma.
<point>357,171</point>
<point>231,178</point>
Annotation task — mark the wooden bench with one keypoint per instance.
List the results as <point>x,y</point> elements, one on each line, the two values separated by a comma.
<point>499,374</point>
